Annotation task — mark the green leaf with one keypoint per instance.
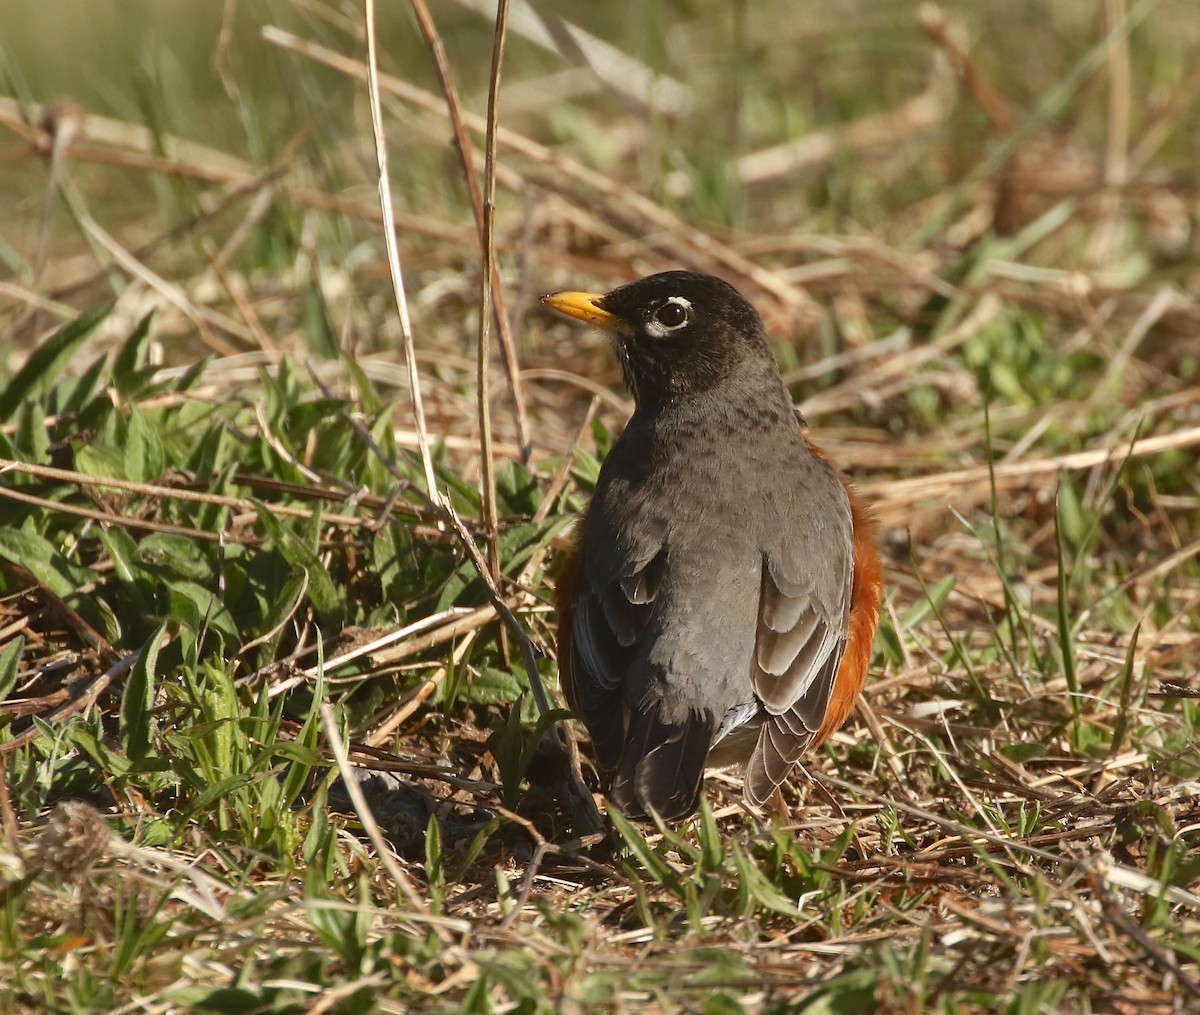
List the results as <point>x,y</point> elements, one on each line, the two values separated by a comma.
<point>123,552</point>
<point>198,607</point>
<point>298,755</point>
<point>368,397</point>
<point>476,1001</point>
<point>518,491</point>
<point>226,1000</point>
<point>214,452</point>
<point>10,658</point>
<point>722,1004</point>
<point>144,455</point>
<point>849,994</point>
<point>505,745</point>
<point>40,558</point>
<point>757,888</point>
<point>175,554</point>
<point>585,468</point>
<point>321,589</point>
<point>223,788</point>
<point>190,377</point>
<point>32,440</point>
<point>127,375</point>
<point>534,740</point>
<point>471,854</point>
<point>99,460</point>
<point>392,560</point>
<point>287,600</point>
<point>1121,723</point>
<point>137,700</point>
<point>46,361</point>
<point>110,762</point>
<point>1066,639</point>
<point>465,496</point>
<point>603,437</point>
<point>435,876</point>
<point>316,322</point>
<point>84,387</point>
<point>712,849</point>
<point>1072,515</point>
<point>930,604</point>
<point>493,686</point>
<point>655,865</point>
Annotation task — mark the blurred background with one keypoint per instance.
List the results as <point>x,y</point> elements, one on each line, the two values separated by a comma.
<point>786,131</point>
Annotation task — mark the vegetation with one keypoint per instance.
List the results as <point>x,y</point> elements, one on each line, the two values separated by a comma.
<point>265,745</point>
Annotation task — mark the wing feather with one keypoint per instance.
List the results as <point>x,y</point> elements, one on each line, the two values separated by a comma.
<point>604,608</point>
<point>803,627</point>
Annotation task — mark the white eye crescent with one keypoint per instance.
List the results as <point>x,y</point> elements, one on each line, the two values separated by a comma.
<point>669,316</point>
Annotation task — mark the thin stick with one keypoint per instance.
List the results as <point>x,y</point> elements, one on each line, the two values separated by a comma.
<point>557,483</point>
<point>383,732</point>
<point>1161,958</point>
<point>371,648</point>
<point>583,808</point>
<point>157,492</point>
<point>200,316</point>
<point>502,608</point>
<point>1116,161</point>
<point>563,472</point>
<point>935,22</point>
<point>484,208</point>
<point>893,494</point>
<point>79,704</point>
<point>8,817</point>
<point>651,90</point>
<point>365,815</point>
<point>64,121</point>
<point>622,203</point>
<point>487,295</point>
<point>393,254</point>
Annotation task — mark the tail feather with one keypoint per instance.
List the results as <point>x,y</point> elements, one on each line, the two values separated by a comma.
<point>782,739</point>
<point>662,766</point>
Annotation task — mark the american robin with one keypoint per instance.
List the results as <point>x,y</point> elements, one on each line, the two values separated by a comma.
<point>725,593</point>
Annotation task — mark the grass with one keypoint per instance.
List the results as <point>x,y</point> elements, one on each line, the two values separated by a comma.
<point>263,744</point>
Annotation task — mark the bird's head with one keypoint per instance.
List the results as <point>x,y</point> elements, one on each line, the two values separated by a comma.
<point>677,333</point>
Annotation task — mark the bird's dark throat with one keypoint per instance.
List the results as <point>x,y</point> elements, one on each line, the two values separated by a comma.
<point>666,370</point>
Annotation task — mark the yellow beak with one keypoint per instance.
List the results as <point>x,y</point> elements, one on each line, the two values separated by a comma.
<point>583,306</point>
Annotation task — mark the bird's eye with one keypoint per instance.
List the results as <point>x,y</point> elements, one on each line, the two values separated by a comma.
<point>672,314</point>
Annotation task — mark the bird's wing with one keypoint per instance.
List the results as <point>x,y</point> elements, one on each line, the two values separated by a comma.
<point>803,624</point>
<point>614,617</point>
<point>609,605</point>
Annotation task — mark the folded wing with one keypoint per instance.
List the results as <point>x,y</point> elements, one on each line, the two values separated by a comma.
<point>803,626</point>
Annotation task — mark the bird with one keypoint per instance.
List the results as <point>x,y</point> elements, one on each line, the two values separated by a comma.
<point>722,598</point>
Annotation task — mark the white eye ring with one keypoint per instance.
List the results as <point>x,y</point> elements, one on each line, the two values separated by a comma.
<point>668,316</point>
